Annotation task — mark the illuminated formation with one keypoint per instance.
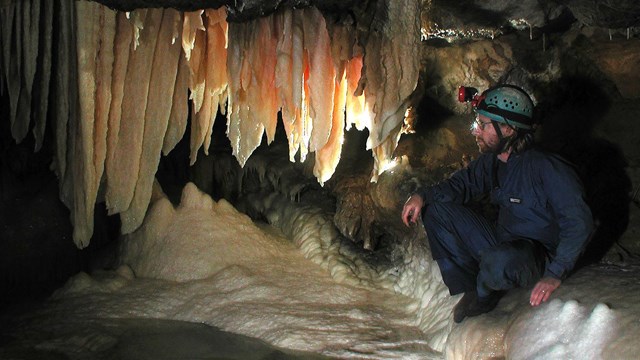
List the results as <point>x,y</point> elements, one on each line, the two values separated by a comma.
<point>137,71</point>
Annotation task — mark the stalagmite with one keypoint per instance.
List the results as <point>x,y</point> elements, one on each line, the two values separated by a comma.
<point>156,119</point>
<point>122,178</point>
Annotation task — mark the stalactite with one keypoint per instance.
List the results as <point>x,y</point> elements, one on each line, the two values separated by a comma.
<point>44,72</point>
<point>6,30</point>
<point>208,84</point>
<point>300,102</point>
<point>322,78</point>
<point>14,70</point>
<point>285,74</point>
<point>217,82</point>
<point>122,48</point>
<point>132,79</point>
<point>239,70</point>
<point>164,71</point>
<point>28,43</point>
<point>122,178</point>
<point>192,23</point>
<point>383,153</point>
<point>391,68</point>
<point>138,19</point>
<point>358,112</point>
<point>67,104</point>
<point>95,37</point>
<point>106,33</point>
<point>179,108</point>
<point>328,156</point>
<point>201,109</point>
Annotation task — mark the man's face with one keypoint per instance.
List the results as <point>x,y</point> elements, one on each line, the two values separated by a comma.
<point>485,134</point>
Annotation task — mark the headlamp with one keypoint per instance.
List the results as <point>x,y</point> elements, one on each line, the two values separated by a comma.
<point>469,94</point>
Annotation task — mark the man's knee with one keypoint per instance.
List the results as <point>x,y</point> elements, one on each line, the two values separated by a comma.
<point>511,264</point>
<point>458,274</point>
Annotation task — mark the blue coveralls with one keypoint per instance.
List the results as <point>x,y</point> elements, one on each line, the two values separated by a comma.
<point>543,223</point>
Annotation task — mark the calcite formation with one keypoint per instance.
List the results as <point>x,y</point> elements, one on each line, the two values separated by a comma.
<point>125,79</point>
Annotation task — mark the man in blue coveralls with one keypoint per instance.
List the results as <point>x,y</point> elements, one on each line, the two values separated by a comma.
<point>543,221</point>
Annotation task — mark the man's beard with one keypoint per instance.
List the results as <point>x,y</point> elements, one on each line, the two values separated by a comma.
<point>485,147</point>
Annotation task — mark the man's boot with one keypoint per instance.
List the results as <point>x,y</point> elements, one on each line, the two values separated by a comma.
<point>460,310</point>
<point>485,304</point>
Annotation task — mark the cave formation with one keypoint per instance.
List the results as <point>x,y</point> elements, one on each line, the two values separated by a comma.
<point>134,69</point>
<point>377,64</point>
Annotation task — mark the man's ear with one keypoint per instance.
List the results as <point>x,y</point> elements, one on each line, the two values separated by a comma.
<point>507,130</point>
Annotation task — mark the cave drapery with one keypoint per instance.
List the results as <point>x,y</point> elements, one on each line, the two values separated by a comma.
<point>120,84</point>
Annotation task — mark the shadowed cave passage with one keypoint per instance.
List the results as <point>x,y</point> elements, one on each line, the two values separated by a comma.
<point>575,107</point>
<point>36,255</point>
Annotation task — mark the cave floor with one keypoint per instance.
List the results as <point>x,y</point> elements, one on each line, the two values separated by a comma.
<point>139,339</point>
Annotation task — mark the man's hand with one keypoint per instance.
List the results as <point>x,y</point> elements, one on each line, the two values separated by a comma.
<point>543,289</point>
<point>412,209</point>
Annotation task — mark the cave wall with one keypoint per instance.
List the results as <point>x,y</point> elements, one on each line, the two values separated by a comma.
<point>585,85</point>
<point>584,81</point>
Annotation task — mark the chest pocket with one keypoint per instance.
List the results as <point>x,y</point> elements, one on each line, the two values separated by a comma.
<point>515,200</point>
<point>519,201</point>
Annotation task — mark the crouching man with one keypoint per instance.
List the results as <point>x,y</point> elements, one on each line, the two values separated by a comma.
<point>543,222</point>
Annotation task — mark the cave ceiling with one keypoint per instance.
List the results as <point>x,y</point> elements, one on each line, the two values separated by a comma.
<point>465,15</point>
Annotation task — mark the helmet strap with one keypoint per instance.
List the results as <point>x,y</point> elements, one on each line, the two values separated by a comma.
<point>502,144</point>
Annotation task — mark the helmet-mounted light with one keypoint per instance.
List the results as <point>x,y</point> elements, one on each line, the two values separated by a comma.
<point>469,94</point>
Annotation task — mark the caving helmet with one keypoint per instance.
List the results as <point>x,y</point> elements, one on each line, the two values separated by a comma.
<point>507,104</point>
